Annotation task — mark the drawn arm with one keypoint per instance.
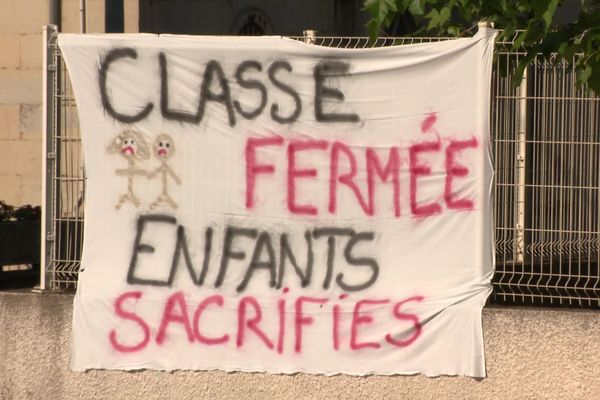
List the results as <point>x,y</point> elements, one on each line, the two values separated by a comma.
<point>153,173</point>
<point>174,176</point>
<point>142,172</point>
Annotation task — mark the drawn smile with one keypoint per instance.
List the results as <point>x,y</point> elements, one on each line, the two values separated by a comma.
<point>162,152</point>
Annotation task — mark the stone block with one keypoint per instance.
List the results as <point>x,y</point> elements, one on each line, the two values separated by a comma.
<point>95,16</point>
<point>20,86</point>
<point>132,16</point>
<point>9,121</point>
<point>11,188</point>
<point>29,160</point>
<point>31,190</point>
<point>70,16</point>
<point>9,50</point>
<point>7,11</point>
<point>23,16</point>
<point>31,51</point>
<point>30,126</point>
<point>21,158</point>
<point>10,154</point>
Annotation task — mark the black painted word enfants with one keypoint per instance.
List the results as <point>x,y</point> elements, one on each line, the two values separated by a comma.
<point>271,252</point>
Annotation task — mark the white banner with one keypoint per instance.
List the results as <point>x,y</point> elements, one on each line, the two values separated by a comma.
<point>261,204</point>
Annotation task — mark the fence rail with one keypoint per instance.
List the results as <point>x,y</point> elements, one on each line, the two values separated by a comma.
<point>546,148</point>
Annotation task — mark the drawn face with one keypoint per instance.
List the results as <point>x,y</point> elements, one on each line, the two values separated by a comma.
<point>164,146</point>
<point>130,145</point>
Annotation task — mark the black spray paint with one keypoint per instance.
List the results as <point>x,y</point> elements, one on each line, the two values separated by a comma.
<point>215,87</point>
<point>263,257</point>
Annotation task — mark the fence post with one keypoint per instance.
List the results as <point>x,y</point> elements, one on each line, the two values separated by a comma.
<point>48,151</point>
<point>519,248</point>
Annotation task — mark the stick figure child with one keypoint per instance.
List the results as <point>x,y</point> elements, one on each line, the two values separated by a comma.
<point>130,145</point>
<point>164,148</point>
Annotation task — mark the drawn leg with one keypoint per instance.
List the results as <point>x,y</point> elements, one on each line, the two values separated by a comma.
<point>127,197</point>
<point>170,201</point>
<point>122,200</point>
<point>134,199</point>
<point>163,199</point>
<point>155,204</point>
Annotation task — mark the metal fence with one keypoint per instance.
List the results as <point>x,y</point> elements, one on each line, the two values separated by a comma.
<point>64,181</point>
<point>546,137</point>
<point>546,142</point>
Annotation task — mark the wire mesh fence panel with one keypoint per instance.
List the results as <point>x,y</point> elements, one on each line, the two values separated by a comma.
<point>66,186</point>
<point>546,149</point>
<point>562,184</point>
<point>507,109</point>
<point>546,145</point>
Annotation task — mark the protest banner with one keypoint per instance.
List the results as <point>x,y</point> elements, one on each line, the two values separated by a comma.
<point>261,204</point>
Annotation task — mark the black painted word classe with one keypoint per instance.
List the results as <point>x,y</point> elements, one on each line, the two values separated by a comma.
<point>215,86</point>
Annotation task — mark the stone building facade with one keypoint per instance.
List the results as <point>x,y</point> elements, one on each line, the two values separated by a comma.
<point>21,91</point>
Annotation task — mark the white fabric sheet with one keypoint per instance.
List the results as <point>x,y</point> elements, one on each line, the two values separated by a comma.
<point>261,204</point>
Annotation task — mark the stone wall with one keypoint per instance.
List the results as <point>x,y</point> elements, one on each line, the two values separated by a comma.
<point>20,99</point>
<point>530,353</point>
<point>21,92</point>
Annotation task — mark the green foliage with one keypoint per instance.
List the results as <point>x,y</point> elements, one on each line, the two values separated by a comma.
<point>382,13</point>
<point>529,23</point>
<point>25,213</point>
